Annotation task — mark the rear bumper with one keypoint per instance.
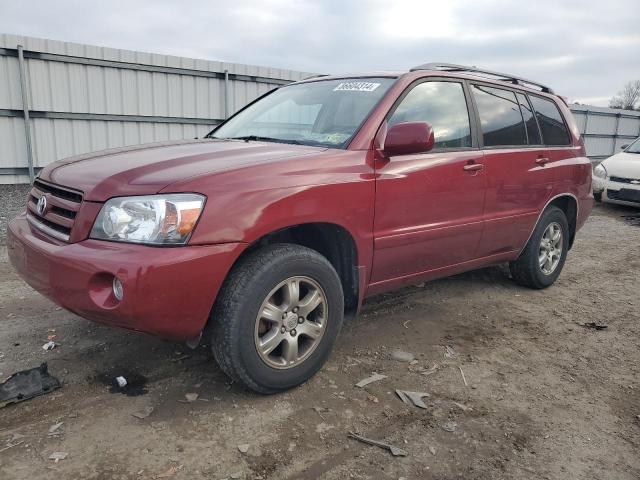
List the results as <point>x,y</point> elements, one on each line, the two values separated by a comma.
<point>168,292</point>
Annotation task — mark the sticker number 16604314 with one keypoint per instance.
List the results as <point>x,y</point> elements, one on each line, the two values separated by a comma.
<point>356,87</point>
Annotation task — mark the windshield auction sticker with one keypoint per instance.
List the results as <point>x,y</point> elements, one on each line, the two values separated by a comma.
<point>356,87</point>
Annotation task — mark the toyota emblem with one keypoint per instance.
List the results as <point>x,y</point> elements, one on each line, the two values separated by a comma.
<point>41,205</point>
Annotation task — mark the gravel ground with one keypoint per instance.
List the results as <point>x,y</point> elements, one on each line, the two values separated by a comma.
<point>13,199</point>
<point>542,397</point>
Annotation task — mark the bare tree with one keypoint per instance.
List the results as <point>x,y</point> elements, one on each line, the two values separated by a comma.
<point>628,98</point>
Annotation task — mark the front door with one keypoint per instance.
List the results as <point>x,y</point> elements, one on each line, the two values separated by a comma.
<point>429,207</point>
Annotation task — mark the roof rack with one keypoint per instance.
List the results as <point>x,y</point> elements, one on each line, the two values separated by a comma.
<point>450,67</point>
<point>315,75</point>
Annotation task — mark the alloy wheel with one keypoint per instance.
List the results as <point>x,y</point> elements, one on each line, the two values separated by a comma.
<point>550,251</point>
<point>291,322</point>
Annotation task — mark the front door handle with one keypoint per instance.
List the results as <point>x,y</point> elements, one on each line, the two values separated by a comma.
<point>473,167</point>
<point>542,160</point>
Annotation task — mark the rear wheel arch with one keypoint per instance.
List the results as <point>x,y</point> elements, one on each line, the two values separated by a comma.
<point>547,247</point>
<point>569,205</point>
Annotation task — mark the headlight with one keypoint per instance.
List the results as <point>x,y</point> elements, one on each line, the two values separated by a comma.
<point>153,219</point>
<point>600,171</point>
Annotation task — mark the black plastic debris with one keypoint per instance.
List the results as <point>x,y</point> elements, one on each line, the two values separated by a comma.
<point>594,326</point>
<point>27,384</point>
<point>632,219</point>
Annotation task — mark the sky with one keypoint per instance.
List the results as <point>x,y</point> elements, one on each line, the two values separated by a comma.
<point>585,50</point>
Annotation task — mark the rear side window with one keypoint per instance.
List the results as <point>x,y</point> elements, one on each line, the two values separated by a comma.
<point>443,105</point>
<point>529,120</point>
<point>500,117</point>
<point>554,131</point>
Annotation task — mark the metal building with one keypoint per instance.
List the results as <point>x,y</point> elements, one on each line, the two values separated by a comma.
<point>81,98</point>
<point>605,130</point>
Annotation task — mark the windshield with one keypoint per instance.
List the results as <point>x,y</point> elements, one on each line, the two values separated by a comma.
<point>634,147</point>
<point>325,113</point>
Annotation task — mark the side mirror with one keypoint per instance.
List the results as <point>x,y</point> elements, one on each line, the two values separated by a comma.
<point>624,147</point>
<point>407,138</point>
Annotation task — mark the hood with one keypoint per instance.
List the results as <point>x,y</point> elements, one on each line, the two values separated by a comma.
<point>623,164</point>
<point>147,169</point>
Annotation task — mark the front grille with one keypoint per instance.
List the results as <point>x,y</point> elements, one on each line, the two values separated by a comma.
<point>613,194</point>
<point>623,179</point>
<point>60,213</point>
<point>623,195</point>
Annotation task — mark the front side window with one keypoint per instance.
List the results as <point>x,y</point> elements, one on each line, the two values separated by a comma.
<point>441,104</point>
<point>324,113</point>
<point>554,131</point>
<point>500,117</point>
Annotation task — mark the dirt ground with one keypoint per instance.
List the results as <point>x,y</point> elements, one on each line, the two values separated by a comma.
<point>546,397</point>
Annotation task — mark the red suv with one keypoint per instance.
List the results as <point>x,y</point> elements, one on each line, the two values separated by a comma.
<point>280,221</point>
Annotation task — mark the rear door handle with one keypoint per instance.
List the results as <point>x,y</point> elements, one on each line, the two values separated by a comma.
<point>542,160</point>
<point>473,167</point>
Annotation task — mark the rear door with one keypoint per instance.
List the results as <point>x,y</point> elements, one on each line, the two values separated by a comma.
<point>520,176</point>
<point>429,206</point>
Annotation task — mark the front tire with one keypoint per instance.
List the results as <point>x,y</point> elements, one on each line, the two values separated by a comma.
<point>541,261</point>
<point>277,317</point>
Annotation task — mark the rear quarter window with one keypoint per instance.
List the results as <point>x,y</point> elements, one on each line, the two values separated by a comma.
<point>552,126</point>
<point>500,117</point>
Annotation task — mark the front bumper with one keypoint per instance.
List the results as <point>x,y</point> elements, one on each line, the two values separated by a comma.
<point>168,292</point>
<point>617,192</point>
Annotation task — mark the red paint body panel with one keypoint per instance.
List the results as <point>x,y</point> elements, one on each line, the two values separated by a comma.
<point>143,170</point>
<point>517,190</point>
<point>167,292</point>
<point>428,213</point>
<point>332,186</point>
<point>412,217</point>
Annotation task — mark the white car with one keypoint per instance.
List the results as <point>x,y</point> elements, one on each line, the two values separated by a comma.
<point>617,179</point>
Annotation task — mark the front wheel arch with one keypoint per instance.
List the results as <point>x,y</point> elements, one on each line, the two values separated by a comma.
<point>235,313</point>
<point>332,241</point>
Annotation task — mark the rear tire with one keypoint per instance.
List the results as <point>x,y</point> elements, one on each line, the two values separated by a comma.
<point>542,259</point>
<point>264,296</point>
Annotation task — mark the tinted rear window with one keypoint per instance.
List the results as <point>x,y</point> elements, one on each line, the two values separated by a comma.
<point>554,131</point>
<point>500,117</point>
<point>529,120</point>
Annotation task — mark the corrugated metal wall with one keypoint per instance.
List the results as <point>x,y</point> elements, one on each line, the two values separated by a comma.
<point>605,130</point>
<point>84,98</point>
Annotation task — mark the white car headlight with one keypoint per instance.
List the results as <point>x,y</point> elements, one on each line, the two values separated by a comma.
<point>152,219</point>
<point>600,171</point>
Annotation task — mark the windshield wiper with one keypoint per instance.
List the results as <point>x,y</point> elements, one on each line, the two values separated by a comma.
<point>256,138</point>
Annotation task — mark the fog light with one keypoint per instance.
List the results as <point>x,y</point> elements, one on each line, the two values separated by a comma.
<point>118,290</point>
